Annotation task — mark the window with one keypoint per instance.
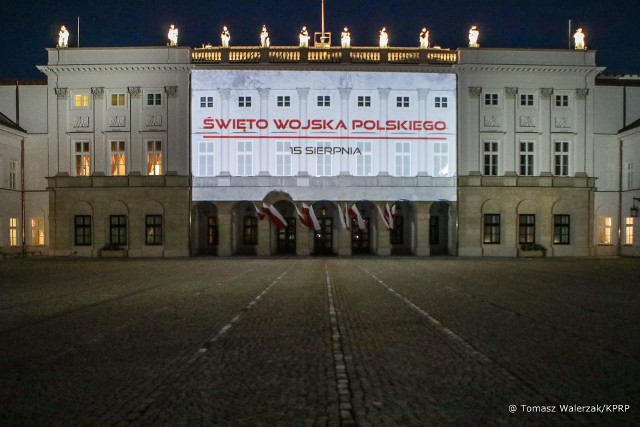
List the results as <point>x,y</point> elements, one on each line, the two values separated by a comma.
<point>604,230</point>
<point>81,100</point>
<point>491,99</point>
<point>82,230</point>
<point>283,158</point>
<point>402,102</point>
<point>212,230</point>
<point>440,159</point>
<point>13,174</point>
<point>363,161</point>
<point>206,102</point>
<point>562,100</point>
<point>83,158</point>
<point>154,157</point>
<point>283,101</point>
<point>526,100</point>
<point>153,227</point>
<point>154,99</point>
<point>491,228</point>
<point>324,101</point>
<point>561,158</point>
<point>245,158</point>
<point>628,167</point>
<point>323,161</point>
<point>403,158</point>
<point>527,228</point>
<point>250,230</point>
<point>491,158</point>
<point>561,229</point>
<point>118,158</point>
<point>441,102</point>
<point>13,231</point>
<point>244,101</point>
<point>205,158</point>
<point>628,230</point>
<point>364,101</point>
<point>118,230</point>
<point>526,158</point>
<point>37,231</point>
<point>118,100</point>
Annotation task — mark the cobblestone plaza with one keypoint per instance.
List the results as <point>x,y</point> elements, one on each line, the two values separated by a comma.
<point>319,341</point>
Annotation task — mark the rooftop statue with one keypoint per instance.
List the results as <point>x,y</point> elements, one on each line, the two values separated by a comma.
<point>173,35</point>
<point>384,38</point>
<point>304,37</point>
<point>345,38</point>
<point>225,36</point>
<point>63,37</point>
<point>579,40</point>
<point>424,39</point>
<point>473,37</point>
<point>264,37</point>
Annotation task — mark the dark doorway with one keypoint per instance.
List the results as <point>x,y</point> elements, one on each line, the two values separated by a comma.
<point>287,237</point>
<point>360,239</point>
<point>323,238</point>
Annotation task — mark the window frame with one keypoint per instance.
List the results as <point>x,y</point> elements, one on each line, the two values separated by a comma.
<point>403,102</point>
<point>493,155</point>
<point>363,101</point>
<point>491,99</point>
<point>153,156</point>
<point>245,101</point>
<point>562,158</point>
<point>79,156</point>
<point>80,236</point>
<point>119,152</point>
<point>120,229</point>
<point>561,230</point>
<point>526,229</point>
<point>250,230</point>
<point>527,157</point>
<point>491,228</point>
<point>283,101</point>
<point>629,224</point>
<point>156,97</point>
<point>323,101</point>
<point>441,102</point>
<point>206,101</point>
<point>605,228</point>
<point>120,100</point>
<point>153,226</point>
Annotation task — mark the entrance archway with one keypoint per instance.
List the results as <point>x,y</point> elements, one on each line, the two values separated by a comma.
<point>402,236</point>
<point>362,241</point>
<point>323,239</point>
<point>205,231</point>
<point>286,237</point>
<point>439,228</point>
<point>244,228</point>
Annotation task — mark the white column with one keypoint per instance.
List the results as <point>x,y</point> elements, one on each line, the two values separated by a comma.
<point>580,148</point>
<point>546,143</point>
<point>475,149</point>
<point>225,160</point>
<point>136,146</point>
<point>264,144</point>
<point>511,144</point>
<point>344,116</point>
<point>62,148</point>
<point>384,143</point>
<point>423,154</point>
<point>303,94</point>
<point>98,161</point>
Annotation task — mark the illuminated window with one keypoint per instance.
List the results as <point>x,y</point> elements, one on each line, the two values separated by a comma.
<point>154,99</point>
<point>441,102</point>
<point>402,101</point>
<point>491,157</point>
<point>118,230</point>
<point>118,99</point>
<point>37,231</point>
<point>491,228</point>
<point>527,228</point>
<point>244,101</point>
<point>206,102</point>
<point>153,230</point>
<point>561,158</point>
<point>206,158</point>
<point>13,231</point>
<point>562,100</point>
<point>81,100</point>
<point>526,100</point>
<point>364,101</point>
<point>250,230</point>
<point>212,230</point>
<point>604,230</point>
<point>491,99</point>
<point>561,229</point>
<point>527,157</point>
<point>403,158</point>
<point>363,160</point>
<point>83,158</point>
<point>323,101</point>
<point>628,230</point>
<point>440,159</point>
<point>13,174</point>
<point>323,159</point>
<point>283,158</point>
<point>82,230</point>
<point>245,158</point>
<point>118,158</point>
<point>154,157</point>
<point>283,101</point>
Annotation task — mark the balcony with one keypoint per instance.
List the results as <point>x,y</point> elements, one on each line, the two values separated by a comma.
<point>63,181</point>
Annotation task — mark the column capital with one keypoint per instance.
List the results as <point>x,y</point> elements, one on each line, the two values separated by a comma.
<point>224,94</point>
<point>511,92</point>
<point>97,92</point>
<point>475,91</point>
<point>264,93</point>
<point>303,92</point>
<point>135,91</point>
<point>344,93</point>
<point>546,92</point>
<point>171,91</point>
<point>384,93</point>
<point>582,93</point>
<point>61,92</point>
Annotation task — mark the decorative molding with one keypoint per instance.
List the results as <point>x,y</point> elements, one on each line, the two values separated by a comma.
<point>61,92</point>
<point>384,93</point>
<point>264,93</point>
<point>582,93</point>
<point>475,91</point>
<point>224,94</point>
<point>546,92</point>
<point>171,91</point>
<point>344,93</point>
<point>562,122</point>
<point>527,121</point>
<point>81,122</point>
<point>303,92</point>
<point>491,121</point>
<point>97,92</point>
<point>423,94</point>
<point>154,120</point>
<point>135,91</point>
<point>511,92</point>
<point>117,121</point>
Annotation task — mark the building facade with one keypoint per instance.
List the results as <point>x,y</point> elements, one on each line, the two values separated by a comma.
<point>172,151</point>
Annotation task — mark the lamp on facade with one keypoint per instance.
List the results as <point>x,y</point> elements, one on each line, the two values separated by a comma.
<point>634,208</point>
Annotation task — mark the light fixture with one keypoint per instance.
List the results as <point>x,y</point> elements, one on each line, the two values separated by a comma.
<point>634,208</point>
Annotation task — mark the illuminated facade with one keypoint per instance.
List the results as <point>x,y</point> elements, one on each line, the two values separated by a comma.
<point>173,151</point>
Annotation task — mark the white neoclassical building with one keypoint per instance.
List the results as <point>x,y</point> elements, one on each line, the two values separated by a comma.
<point>174,151</point>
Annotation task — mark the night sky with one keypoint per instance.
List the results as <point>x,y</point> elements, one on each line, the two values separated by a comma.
<point>28,27</point>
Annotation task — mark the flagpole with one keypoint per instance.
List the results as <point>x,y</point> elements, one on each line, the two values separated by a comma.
<point>78,31</point>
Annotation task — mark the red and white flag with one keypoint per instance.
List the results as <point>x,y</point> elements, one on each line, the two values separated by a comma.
<point>275,217</point>
<point>311,217</point>
<point>355,213</point>
<point>302,217</point>
<point>259,213</point>
<point>384,216</point>
<point>344,219</point>
<point>390,212</point>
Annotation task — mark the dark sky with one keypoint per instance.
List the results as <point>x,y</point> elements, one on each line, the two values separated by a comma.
<point>28,27</point>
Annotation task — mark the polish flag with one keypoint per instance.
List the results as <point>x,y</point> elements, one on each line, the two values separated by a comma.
<point>311,218</point>
<point>302,217</point>
<point>274,216</point>
<point>259,213</point>
<point>384,216</point>
<point>355,213</point>
<point>343,217</point>
<point>390,212</point>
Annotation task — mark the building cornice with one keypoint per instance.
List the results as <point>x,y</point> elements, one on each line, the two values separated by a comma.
<point>531,68</point>
<point>71,69</point>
